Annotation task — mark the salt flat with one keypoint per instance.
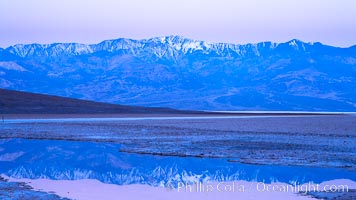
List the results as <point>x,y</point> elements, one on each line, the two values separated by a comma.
<point>316,141</point>
<point>105,157</point>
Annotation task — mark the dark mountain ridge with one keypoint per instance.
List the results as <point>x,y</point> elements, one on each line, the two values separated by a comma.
<point>17,102</point>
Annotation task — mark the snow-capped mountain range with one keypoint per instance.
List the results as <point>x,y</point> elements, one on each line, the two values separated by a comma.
<point>160,46</point>
<point>182,73</point>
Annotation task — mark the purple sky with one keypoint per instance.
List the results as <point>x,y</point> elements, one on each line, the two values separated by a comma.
<point>331,22</point>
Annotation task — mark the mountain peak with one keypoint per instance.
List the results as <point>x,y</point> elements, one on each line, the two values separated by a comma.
<point>297,44</point>
<point>172,38</point>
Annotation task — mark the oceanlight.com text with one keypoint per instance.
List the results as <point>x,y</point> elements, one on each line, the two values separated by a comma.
<point>260,187</point>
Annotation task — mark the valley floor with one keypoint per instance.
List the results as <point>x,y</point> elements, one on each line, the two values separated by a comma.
<point>130,154</point>
<point>294,140</point>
